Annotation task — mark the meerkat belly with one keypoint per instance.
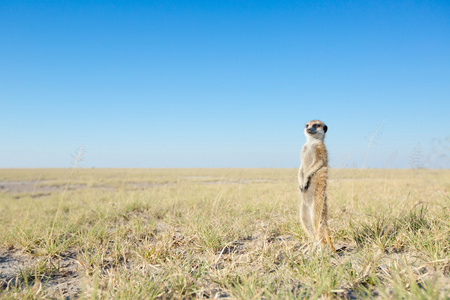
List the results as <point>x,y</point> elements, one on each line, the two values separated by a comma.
<point>309,159</point>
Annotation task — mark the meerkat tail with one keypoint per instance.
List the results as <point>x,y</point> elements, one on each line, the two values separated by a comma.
<point>328,239</point>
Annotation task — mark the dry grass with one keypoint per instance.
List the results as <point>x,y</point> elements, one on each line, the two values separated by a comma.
<point>205,233</point>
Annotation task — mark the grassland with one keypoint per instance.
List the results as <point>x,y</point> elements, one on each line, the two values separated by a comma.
<point>228,233</point>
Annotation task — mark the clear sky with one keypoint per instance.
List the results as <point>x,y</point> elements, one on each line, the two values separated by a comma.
<point>223,83</point>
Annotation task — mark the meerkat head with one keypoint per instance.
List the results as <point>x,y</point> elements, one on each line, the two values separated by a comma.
<point>315,130</point>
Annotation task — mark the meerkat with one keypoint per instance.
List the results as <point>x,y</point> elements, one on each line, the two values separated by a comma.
<point>312,181</point>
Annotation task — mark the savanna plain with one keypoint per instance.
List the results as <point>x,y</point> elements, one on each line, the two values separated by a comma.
<point>221,233</point>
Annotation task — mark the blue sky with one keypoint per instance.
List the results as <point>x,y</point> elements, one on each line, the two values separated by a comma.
<point>223,83</point>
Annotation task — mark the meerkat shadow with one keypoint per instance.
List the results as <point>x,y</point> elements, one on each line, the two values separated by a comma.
<point>343,250</point>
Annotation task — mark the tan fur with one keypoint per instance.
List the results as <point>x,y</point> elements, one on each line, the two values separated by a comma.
<point>312,175</point>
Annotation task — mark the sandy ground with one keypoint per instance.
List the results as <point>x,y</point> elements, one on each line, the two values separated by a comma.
<point>65,280</point>
<point>36,189</point>
<point>68,278</point>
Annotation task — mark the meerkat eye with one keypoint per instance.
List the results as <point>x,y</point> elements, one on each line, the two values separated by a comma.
<point>306,125</point>
<point>318,126</point>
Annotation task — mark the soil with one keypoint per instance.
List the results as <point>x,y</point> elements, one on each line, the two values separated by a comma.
<point>63,282</point>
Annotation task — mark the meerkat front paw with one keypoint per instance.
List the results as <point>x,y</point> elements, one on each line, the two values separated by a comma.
<point>301,182</point>
<point>305,184</point>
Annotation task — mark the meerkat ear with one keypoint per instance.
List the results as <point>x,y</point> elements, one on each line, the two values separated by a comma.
<point>325,128</point>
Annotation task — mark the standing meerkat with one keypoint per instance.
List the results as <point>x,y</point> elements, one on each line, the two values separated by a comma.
<point>312,181</point>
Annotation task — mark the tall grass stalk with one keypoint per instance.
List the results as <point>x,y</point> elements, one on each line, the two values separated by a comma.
<point>375,134</point>
<point>77,158</point>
